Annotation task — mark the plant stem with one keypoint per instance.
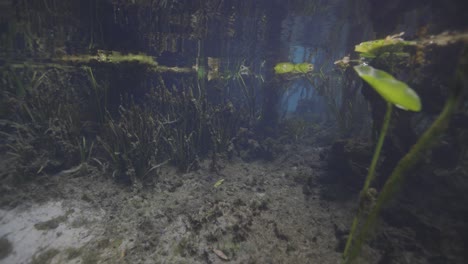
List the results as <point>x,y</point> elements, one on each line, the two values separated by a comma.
<point>369,178</point>
<point>378,148</point>
<point>396,177</point>
<point>351,234</point>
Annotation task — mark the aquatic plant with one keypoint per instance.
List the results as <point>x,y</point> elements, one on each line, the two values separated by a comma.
<point>189,125</point>
<point>249,93</point>
<point>242,81</point>
<point>391,89</point>
<point>287,67</point>
<point>115,57</point>
<point>20,152</point>
<point>396,177</point>
<point>395,93</point>
<point>222,125</point>
<point>132,142</point>
<point>41,123</point>
<point>347,107</point>
<point>99,96</point>
<point>86,150</point>
<point>296,128</point>
<point>392,44</point>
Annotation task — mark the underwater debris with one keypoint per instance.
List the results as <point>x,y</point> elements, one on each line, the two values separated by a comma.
<point>344,62</point>
<point>220,254</point>
<point>213,68</point>
<point>218,183</point>
<point>244,70</point>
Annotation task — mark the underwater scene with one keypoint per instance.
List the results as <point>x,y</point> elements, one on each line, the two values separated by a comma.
<point>233,131</point>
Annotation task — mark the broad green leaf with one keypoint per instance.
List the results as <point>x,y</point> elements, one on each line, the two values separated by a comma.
<point>391,89</point>
<point>284,67</point>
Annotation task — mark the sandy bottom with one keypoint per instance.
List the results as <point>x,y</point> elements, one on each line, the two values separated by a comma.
<point>261,213</point>
<point>22,227</point>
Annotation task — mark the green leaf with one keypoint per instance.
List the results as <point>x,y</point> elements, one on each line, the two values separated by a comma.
<point>372,49</point>
<point>303,67</point>
<point>287,67</point>
<point>284,67</point>
<point>391,89</point>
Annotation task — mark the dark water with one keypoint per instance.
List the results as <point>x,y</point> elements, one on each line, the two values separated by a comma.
<point>129,87</point>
